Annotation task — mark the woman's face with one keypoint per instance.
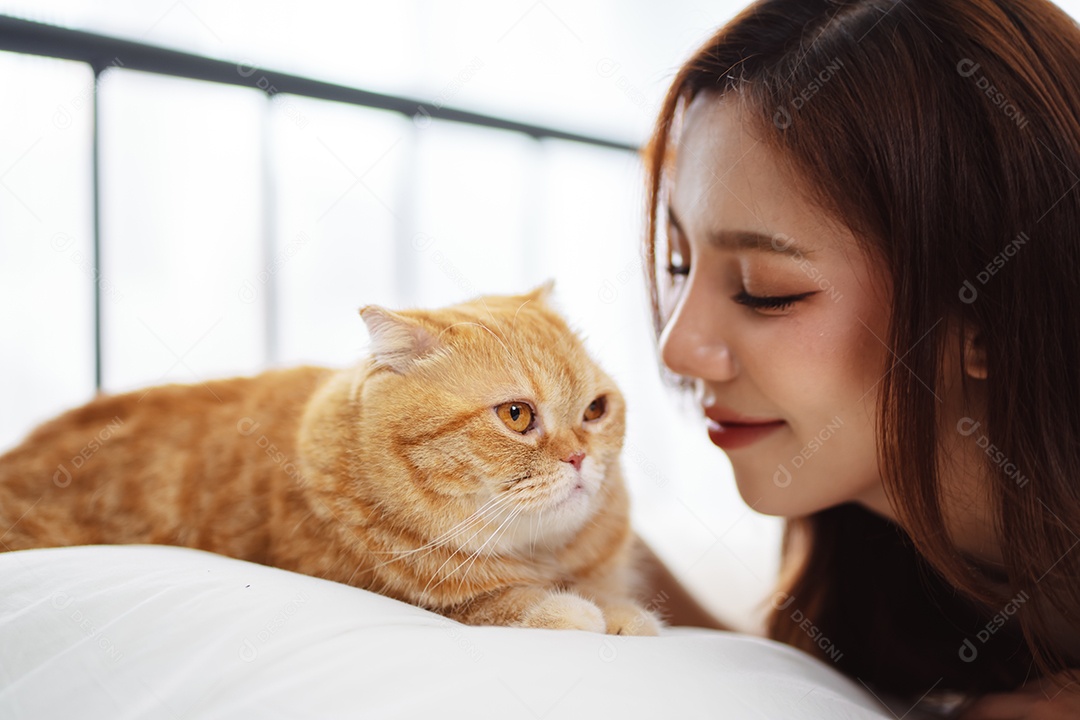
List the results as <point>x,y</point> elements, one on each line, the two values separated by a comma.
<point>813,365</point>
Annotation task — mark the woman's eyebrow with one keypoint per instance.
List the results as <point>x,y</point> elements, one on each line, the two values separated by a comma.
<point>747,240</point>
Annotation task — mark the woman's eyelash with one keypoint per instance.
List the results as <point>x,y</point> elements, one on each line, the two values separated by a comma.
<point>761,302</point>
<point>758,302</point>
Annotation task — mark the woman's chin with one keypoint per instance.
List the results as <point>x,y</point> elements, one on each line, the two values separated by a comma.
<point>763,494</point>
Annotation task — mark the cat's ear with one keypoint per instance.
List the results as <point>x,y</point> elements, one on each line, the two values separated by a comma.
<point>397,341</point>
<point>542,292</point>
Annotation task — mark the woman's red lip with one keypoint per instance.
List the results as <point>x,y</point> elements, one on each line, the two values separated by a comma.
<point>729,436</point>
<point>720,426</point>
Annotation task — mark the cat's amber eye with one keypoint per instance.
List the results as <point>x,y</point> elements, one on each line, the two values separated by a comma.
<point>596,409</point>
<point>517,416</point>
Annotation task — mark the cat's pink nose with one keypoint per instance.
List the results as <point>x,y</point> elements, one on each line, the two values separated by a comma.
<point>575,460</point>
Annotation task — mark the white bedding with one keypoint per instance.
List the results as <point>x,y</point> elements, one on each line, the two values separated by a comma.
<point>163,632</point>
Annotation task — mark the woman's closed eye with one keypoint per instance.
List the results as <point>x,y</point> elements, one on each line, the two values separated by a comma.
<point>770,302</point>
<point>678,269</point>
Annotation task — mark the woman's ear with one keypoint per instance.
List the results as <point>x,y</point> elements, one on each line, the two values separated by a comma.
<point>975,353</point>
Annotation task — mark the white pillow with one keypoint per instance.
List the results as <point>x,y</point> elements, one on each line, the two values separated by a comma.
<point>163,632</point>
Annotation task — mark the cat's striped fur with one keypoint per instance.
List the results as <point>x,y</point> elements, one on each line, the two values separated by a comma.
<point>397,475</point>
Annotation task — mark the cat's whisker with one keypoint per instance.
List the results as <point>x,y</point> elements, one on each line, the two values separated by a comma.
<point>491,315</point>
<point>430,544</point>
<point>514,321</point>
<point>494,320</point>
<point>433,545</point>
<point>491,507</point>
<point>532,533</point>
<point>494,540</point>
<point>539,525</point>
<point>462,546</point>
<point>506,500</point>
<point>485,513</point>
<point>446,536</point>
<point>515,511</point>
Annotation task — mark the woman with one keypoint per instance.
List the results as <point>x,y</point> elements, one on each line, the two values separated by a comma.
<point>864,254</point>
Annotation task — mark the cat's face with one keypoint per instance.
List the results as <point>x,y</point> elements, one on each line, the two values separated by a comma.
<point>496,404</point>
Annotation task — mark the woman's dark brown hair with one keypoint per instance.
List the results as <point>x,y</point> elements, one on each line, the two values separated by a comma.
<point>946,135</point>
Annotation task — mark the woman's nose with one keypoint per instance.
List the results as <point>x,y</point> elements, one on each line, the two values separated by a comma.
<point>690,344</point>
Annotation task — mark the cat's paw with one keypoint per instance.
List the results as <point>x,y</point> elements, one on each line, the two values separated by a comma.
<point>564,611</point>
<point>630,619</point>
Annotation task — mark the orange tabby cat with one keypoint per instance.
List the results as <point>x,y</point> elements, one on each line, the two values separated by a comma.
<point>469,465</point>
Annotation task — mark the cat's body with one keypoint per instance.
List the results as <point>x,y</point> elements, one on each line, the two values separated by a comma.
<point>412,474</point>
